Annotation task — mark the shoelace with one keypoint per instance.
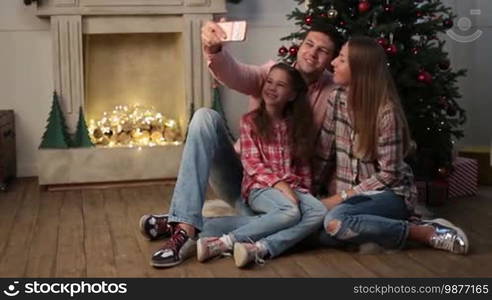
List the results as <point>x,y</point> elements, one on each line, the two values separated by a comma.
<point>217,247</point>
<point>444,241</point>
<point>258,260</point>
<point>176,241</point>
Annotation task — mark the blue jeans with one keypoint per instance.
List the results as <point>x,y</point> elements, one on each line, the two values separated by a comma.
<point>208,155</point>
<point>378,218</point>
<point>281,225</point>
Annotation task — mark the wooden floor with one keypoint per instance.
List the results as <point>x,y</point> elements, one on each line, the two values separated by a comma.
<point>94,233</point>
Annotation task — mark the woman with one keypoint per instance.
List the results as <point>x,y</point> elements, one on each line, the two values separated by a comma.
<point>367,137</point>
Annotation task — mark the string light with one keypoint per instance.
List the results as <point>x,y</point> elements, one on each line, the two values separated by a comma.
<point>136,125</point>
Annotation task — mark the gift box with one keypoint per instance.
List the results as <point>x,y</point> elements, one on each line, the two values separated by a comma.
<point>463,180</point>
<point>437,192</point>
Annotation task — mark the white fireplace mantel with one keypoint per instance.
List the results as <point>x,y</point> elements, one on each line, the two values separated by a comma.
<point>71,19</point>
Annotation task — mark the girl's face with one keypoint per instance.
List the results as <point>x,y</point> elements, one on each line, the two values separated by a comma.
<point>277,90</point>
<point>341,67</point>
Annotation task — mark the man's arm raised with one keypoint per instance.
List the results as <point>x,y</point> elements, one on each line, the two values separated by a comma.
<point>246,79</point>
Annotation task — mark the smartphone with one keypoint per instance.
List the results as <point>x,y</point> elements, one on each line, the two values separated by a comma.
<point>235,31</point>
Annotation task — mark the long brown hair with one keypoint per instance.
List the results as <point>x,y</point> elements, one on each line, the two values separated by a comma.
<point>371,88</point>
<point>298,114</point>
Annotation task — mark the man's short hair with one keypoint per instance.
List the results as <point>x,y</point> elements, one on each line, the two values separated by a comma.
<point>330,31</point>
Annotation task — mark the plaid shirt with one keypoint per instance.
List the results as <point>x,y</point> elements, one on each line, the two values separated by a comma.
<point>336,147</point>
<point>265,164</point>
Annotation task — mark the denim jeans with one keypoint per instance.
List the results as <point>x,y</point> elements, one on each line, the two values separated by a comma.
<point>208,155</point>
<point>281,225</point>
<point>378,218</point>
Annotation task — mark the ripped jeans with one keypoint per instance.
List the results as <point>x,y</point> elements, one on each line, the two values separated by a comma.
<point>377,218</point>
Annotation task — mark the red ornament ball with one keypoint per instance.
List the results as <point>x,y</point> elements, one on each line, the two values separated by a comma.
<point>293,50</point>
<point>391,49</point>
<point>419,14</point>
<point>364,6</point>
<point>283,51</point>
<point>424,77</point>
<point>308,20</point>
<point>415,50</point>
<point>382,42</point>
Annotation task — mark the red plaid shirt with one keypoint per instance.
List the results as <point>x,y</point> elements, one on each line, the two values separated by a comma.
<point>265,164</point>
<point>336,149</point>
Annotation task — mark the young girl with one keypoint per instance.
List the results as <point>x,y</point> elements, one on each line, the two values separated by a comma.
<point>276,146</point>
<point>368,137</point>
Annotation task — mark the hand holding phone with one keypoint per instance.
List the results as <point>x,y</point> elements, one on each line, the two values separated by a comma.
<point>235,31</point>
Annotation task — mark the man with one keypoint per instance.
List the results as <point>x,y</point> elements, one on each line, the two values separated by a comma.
<point>209,153</point>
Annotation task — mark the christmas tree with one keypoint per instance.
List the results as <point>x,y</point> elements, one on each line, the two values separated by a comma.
<point>56,134</point>
<point>409,31</point>
<point>82,138</point>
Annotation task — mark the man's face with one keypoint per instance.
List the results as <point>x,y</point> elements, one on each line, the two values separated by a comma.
<point>315,54</point>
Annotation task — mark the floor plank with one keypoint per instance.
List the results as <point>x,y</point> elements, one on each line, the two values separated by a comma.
<point>71,258</point>
<point>86,233</point>
<point>15,256</point>
<point>98,244</point>
<point>43,248</point>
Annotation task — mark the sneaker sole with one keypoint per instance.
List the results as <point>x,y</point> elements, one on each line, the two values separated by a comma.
<point>174,263</point>
<point>458,230</point>
<point>240,255</point>
<point>200,254</point>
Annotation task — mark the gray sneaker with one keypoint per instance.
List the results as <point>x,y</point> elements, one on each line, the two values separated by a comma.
<point>448,236</point>
<point>178,248</point>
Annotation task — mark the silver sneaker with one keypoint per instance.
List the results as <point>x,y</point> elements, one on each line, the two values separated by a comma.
<point>448,236</point>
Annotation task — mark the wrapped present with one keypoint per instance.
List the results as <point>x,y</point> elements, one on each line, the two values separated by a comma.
<point>463,180</point>
<point>437,192</point>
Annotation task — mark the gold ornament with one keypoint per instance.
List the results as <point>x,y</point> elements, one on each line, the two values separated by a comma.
<point>332,13</point>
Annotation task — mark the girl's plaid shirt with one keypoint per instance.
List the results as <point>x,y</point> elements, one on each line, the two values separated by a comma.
<point>265,164</point>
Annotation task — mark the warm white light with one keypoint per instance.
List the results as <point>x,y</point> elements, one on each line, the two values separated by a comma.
<point>127,126</point>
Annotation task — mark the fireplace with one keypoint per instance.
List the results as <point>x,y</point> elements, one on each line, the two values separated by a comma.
<point>111,56</point>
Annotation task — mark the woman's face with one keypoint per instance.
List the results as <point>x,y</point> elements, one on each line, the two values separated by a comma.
<point>341,67</point>
<point>277,90</point>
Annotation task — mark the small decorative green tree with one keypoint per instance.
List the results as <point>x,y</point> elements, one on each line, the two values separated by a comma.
<point>56,134</point>
<point>82,138</point>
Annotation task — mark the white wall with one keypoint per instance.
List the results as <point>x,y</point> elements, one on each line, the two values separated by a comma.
<point>25,77</point>
<point>476,58</point>
<point>26,67</point>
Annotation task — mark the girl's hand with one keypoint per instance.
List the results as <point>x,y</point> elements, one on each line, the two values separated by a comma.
<point>287,191</point>
<point>332,201</point>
